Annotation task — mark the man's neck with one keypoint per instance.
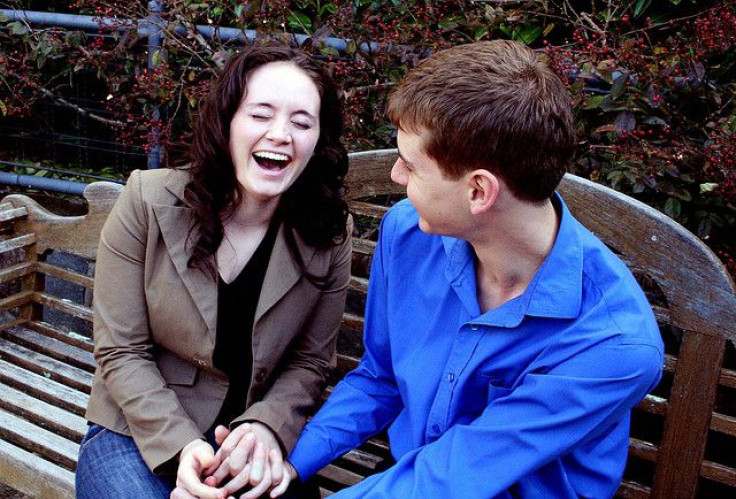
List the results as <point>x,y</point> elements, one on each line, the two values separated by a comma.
<point>510,248</point>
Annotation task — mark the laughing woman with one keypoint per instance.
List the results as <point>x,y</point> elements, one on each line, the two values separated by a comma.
<point>219,289</point>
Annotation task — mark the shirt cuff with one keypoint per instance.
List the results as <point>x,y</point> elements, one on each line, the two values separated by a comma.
<point>308,455</point>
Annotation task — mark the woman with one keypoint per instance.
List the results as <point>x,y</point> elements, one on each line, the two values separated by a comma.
<point>219,289</point>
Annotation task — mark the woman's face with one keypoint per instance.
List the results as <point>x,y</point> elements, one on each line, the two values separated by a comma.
<point>275,129</point>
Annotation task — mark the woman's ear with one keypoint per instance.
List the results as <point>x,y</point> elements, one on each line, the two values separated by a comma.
<point>483,188</point>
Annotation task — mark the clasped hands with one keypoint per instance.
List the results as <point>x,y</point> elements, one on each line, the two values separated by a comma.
<point>248,456</point>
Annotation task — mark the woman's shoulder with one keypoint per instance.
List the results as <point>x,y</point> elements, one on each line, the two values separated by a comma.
<point>163,185</point>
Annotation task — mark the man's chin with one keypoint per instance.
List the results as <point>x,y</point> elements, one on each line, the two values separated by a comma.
<point>425,227</point>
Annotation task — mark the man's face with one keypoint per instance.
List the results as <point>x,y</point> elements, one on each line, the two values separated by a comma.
<point>441,202</point>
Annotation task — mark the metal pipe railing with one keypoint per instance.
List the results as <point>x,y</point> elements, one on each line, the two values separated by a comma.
<point>45,183</point>
<point>145,28</point>
<point>151,27</point>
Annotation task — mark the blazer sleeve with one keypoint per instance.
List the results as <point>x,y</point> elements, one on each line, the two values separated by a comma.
<point>123,344</point>
<point>309,360</point>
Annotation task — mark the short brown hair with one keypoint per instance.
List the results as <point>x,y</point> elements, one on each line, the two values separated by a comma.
<point>492,105</point>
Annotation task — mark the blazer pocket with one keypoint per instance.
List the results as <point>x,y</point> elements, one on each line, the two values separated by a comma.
<point>175,370</point>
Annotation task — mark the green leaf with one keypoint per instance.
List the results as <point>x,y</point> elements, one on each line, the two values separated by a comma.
<point>330,51</point>
<point>299,21</point>
<point>641,6</point>
<point>619,85</point>
<point>654,120</point>
<point>480,32</point>
<point>672,208</point>
<point>704,228</point>
<point>3,108</point>
<point>683,195</point>
<point>528,34</point>
<point>18,29</point>
<point>351,48</point>
<point>594,101</point>
<point>625,121</point>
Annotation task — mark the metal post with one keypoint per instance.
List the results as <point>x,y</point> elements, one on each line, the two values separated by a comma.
<point>155,53</point>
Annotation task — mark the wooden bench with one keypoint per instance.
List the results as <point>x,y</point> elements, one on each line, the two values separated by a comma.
<point>683,435</point>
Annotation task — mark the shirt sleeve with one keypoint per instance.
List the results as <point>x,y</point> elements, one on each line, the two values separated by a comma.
<point>521,430</point>
<point>367,399</point>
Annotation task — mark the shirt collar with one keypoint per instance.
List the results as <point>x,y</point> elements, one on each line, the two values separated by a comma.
<point>555,291</point>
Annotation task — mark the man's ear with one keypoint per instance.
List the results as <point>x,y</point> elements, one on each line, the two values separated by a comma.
<point>483,188</point>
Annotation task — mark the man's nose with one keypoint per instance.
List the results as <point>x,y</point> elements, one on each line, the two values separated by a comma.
<point>398,173</point>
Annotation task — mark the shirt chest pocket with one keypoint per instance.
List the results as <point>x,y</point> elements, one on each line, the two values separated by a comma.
<point>495,388</point>
<point>175,370</point>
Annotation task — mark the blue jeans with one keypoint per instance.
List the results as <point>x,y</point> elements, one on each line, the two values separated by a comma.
<point>110,466</point>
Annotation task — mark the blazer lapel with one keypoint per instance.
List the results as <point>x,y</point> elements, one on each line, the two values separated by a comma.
<point>282,272</point>
<point>174,221</point>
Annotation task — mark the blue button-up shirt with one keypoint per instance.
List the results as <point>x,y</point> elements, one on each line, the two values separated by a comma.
<point>530,399</point>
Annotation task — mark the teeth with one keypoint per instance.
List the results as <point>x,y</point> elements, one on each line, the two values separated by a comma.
<point>271,155</point>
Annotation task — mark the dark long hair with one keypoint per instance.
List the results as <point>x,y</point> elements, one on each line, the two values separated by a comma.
<point>313,206</point>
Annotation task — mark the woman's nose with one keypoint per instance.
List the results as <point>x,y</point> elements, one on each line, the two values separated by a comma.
<point>278,132</point>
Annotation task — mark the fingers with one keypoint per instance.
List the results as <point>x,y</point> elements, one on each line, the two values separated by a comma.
<point>221,433</point>
<point>232,439</point>
<point>259,488</point>
<point>239,481</point>
<point>194,458</point>
<point>281,487</point>
<point>277,465</point>
<point>258,474</point>
<point>259,463</point>
<point>179,493</point>
<point>286,478</point>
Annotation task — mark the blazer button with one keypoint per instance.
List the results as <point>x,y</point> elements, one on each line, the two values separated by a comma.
<point>261,375</point>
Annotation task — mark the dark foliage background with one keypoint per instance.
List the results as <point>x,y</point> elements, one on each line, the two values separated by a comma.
<point>653,83</point>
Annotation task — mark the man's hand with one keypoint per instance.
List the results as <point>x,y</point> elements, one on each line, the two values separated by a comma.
<point>251,455</point>
<point>196,459</point>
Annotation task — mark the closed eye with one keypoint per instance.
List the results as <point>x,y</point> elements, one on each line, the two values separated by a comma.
<point>302,126</point>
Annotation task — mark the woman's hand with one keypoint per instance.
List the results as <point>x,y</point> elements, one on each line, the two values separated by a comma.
<point>196,460</point>
<point>251,455</point>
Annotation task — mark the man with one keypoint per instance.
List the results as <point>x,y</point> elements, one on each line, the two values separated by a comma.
<point>504,344</point>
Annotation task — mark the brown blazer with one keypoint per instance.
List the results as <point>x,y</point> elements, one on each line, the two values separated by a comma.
<point>155,322</point>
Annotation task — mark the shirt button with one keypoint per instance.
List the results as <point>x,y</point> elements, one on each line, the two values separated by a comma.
<point>261,375</point>
<point>450,377</point>
<point>474,327</point>
<point>436,429</point>
<point>200,363</point>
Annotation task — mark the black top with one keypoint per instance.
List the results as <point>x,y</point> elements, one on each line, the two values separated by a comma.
<point>236,310</point>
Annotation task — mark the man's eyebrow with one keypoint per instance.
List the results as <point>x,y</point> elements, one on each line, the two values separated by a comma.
<point>403,158</point>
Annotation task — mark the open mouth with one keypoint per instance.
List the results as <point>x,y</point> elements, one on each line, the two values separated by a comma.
<point>271,160</point>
